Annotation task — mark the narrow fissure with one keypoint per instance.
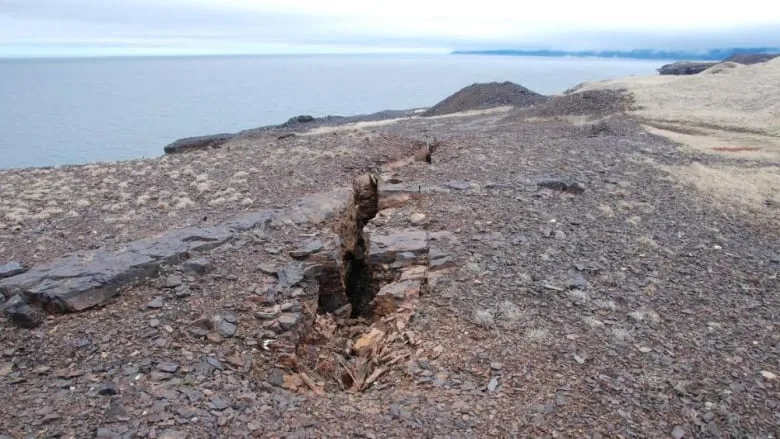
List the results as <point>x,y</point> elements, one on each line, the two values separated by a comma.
<point>357,274</point>
<point>346,286</point>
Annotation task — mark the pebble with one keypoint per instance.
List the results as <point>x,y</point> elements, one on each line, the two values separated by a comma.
<point>213,337</point>
<point>156,303</point>
<point>200,265</point>
<point>226,328</point>
<point>167,366</point>
<point>288,321</point>
<point>172,281</point>
<point>493,384</point>
<point>107,389</point>
<point>218,403</point>
<point>678,432</point>
<point>496,365</point>
<point>172,434</point>
<point>768,375</point>
<point>417,218</point>
<point>182,291</point>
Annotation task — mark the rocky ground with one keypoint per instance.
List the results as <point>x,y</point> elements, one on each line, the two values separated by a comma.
<point>568,287</point>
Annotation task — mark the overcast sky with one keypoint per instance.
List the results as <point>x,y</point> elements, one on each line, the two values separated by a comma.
<point>67,27</point>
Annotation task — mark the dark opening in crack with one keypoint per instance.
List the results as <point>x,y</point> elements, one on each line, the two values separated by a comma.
<point>356,272</point>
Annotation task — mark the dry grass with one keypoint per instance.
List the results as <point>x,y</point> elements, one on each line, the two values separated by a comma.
<point>510,315</point>
<point>484,318</point>
<point>622,335</point>
<point>747,97</point>
<point>752,188</point>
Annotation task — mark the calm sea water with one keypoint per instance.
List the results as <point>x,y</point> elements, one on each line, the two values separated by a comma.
<point>67,111</point>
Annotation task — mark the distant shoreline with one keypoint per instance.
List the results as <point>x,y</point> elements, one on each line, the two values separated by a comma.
<point>642,54</point>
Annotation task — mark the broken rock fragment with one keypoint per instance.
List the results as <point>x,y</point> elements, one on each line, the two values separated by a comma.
<point>392,296</point>
<point>22,314</point>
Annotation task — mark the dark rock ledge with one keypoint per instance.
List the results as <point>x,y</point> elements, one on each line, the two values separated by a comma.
<point>81,280</point>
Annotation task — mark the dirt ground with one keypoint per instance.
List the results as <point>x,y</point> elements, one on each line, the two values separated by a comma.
<point>636,307</point>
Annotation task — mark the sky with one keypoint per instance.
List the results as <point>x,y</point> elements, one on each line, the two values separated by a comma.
<point>163,27</point>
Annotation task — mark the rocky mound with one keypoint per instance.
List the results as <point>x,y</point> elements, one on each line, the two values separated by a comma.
<point>589,103</point>
<point>486,95</point>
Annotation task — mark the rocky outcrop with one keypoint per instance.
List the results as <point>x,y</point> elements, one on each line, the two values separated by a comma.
<point>189,144</point>
<point>685,68</point>
<point>81,280</point>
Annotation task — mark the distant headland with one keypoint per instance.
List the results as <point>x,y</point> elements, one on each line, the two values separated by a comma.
<point>704,55</point>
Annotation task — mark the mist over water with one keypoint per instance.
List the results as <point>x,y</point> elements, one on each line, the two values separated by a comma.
<point>70,111</point>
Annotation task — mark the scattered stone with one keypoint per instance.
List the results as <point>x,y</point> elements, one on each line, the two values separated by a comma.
<point>391,296</point>
<point>496,365</point>
<point>290,275</point>
<point>12,269</point>
<point>563,186</point>
<point>493,384</point>
<point>172,434</point>
<point>225,328</point>
<point>160,376</point>
<point>156,303</point>
<point>186,412</point>
<point>182,291</point>
<point>678,432</point>
<point>167,366</point>
<point>560,234</point>
<point>458,185</point>
<point>107,389</point>
<point>172,281</point>
<point>200,265</point>
<point>768,375</point>
<point>102,433</point>
<point>22,314</point>
<point>116,411</point>
<point>218,403</point>
<point>309,247</point>
<point>288,321</point>
<point>213,337</point>
<point>417,218</point>
<point>268,269</point>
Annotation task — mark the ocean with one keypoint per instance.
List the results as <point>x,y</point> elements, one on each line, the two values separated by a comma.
<point>71,111</point>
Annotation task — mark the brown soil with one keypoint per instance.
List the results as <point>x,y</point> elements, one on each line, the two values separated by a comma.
<point>634,308</point>
<point>488,95</point>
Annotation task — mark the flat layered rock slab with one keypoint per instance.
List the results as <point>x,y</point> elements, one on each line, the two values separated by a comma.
<point>78,281</point>
<point>386,248</point>
<point>315,209</point>
<point>11,269</point>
